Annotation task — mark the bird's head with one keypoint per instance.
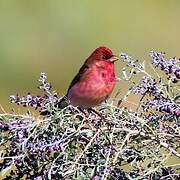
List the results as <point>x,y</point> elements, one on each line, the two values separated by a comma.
<point>103,54</point>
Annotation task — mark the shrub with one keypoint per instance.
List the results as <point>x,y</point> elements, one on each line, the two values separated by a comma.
<point>114,143</point>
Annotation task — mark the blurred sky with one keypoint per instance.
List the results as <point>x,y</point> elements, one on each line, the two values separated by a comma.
<point>55,37</point>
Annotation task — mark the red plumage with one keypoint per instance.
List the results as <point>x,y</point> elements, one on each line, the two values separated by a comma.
<point>95,80</point>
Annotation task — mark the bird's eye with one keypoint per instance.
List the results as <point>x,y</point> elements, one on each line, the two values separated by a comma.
<point>104,57</point>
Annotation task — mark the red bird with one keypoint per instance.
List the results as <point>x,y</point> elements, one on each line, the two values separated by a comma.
<point>95,80</point>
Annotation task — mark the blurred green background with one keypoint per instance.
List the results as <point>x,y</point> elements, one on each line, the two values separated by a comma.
<point>55,37</point>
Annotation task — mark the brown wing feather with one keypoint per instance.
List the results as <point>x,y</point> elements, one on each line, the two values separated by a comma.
<point>77,78</point>
<point>63,102</point>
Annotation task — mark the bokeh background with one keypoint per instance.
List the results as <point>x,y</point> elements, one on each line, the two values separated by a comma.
<point>55,37</point>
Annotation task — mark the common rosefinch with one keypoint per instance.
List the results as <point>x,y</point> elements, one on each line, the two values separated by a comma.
<point>95,80</point>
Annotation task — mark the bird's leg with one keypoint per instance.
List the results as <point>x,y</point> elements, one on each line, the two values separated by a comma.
<point>82,110</point>
<point>96,112</point>
<point>103,119</point>
<point>90,110</point>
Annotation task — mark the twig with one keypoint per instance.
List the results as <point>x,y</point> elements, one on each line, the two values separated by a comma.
<point>86,148</point>
<point>169,148</point>
<point>122,145</point>
<point>108,155</point>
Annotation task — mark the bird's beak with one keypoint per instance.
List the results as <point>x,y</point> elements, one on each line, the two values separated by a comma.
<point>114,58</point>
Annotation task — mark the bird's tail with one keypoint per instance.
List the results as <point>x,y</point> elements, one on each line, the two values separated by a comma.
<point>61,104</point>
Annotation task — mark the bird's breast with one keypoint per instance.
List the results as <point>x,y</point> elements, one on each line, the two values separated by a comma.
<point>94,87</point>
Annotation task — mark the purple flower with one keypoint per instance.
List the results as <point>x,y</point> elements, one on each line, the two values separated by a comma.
<point>147,85</point>
<point>164,105</point>
<point>29,100</point>
<point>44,85</point>
<point>50,99</point>
<point>170,67</point>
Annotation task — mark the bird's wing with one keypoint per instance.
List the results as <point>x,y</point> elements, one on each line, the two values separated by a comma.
<point>63,102</point>
<point>78,77</point>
